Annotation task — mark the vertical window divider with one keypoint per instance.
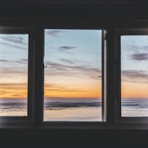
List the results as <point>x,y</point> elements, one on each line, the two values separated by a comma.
<point>30,76</point>
<point>38,77</point>
<point>118,77</point>
<point>104,33</point>
<point>111,75</point>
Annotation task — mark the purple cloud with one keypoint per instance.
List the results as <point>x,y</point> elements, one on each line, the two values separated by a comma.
<point>145,47</point>
<point>4,61</point>
<point>21,61</point>
<point>14,46</point>
<point>66,48</point>
<point>13,39</point>
<point>134,76</point>
<point>54,33</point>
<point>67,61</point>
<point>139,56</point>
<point>72,70</point>
<point>138,48</point>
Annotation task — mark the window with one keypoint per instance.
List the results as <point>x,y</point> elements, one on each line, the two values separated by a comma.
<point>15,98</point>
<point>13,74</point>
<point>73,75</point>
<point>134,74</point>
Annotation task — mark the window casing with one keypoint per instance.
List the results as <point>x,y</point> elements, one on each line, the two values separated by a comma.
<point>74,71</point>
<point>111,76</point>
<point>19,39</point>
<point>131,75</point>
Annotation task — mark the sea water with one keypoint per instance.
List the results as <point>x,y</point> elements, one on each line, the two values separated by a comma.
<point>73,109</point>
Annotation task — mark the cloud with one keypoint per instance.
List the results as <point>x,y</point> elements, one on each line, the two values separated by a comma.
<point>23,61</point>
<point>13,85</point>
<point>14,41</point>
<point>20,61</point>
<point>4,61</point>
<point>67,61</point>
<point>14,46</point>
<point>53,33</point>
<point>145,47</point>
<point>135,76</point>
<point>73,67</point>
<point>13,72</point>
<point>2,92</point>
<point>66,48</point>
<point>139,56</point>
<point>60,88</point>
<point>73,70</point>
<point>138,48</point>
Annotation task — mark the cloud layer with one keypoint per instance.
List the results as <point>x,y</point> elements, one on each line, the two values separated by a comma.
<point>72,70</point>
<point>66,48</point>
<point>139,56</point>
<point>135,76</point>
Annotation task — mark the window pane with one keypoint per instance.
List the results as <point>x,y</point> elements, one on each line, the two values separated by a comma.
<point>72,75</point>
<point>134,75</point>
<point>13,74</point>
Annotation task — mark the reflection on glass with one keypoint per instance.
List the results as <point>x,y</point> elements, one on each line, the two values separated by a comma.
<point>13,74</point>
<point>134,75</point>
<point>72,84</point>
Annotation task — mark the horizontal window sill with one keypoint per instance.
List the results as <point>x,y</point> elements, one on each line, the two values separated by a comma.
<point>76,125</point>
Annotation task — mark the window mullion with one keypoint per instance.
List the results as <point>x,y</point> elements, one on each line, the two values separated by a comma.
<point>30,76</point>
<point>104,75</point>
<point>111,76</point>
<point>38,76</point>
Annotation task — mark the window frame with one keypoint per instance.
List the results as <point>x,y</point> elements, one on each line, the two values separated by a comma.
<point>84,124</point>
<point>13,120</point>
<point>35,27</point>
<point>119,33</point>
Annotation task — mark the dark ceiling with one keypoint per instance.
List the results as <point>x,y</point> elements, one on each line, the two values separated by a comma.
<point>75,2</point>
<point>74,8</point>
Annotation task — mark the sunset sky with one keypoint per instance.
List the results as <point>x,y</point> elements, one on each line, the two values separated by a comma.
<point>13,65</point>
<point>73,64</point>
<point>73,59</point>
<point>134,66</point>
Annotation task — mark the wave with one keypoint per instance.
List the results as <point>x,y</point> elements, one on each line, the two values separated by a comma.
<point>13,106</point>
<point>135,103</point>
<point>61,105</point>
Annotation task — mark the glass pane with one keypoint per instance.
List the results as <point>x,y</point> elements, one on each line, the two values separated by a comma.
<point>13,74</point>
<point>134,75</point>
<point>72,75</point>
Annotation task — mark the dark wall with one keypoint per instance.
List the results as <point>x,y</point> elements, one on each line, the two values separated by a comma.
<point>73,138</point>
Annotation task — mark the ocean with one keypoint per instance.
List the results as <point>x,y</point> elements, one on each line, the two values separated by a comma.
<point>73,109</point>
<point>134,108</point>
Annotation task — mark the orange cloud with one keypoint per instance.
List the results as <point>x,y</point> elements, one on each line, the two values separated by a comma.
<point>72,88</point>
<point>13,90</point>
<point>134,90</point>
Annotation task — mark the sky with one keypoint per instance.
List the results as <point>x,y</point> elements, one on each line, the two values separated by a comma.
<point>73,63</point>
<point>13,65</point>
<point>134,66</point>
<point>72,58</point>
